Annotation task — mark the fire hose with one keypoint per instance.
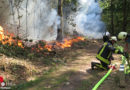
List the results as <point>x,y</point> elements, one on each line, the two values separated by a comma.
<point>106,75</point>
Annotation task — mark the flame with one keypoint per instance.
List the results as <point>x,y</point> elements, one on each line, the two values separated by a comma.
<point>1,33</point>
<point>66,43</point>
<point>20,44</point>
<point>48,47</point>
<point>6,37</point>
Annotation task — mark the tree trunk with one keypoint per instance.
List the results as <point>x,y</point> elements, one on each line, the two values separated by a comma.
<point>12,9</point>
<point>26,19</point>
<point>124,15</point>
<point>18,22</point>
<point>112,24</point>
<point>60,13</point>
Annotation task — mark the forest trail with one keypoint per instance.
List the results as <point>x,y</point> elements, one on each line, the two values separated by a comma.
<point>74,73</point>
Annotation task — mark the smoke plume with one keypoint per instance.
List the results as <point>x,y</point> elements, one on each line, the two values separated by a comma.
<point>88,19</point>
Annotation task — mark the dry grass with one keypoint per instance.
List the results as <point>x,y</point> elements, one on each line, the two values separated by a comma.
<point>19,70</point>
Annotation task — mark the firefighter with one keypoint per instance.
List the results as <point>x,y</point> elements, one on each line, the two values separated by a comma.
<point>126,37</point>
<point>105,53</point>
<point>125,78</point>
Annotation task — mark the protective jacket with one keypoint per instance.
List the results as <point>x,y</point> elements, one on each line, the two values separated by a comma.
<point>105,52</point>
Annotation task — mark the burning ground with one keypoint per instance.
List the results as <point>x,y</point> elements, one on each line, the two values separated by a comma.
<point>24,47</point>
<point>23,70</point>
<point>24,60</point>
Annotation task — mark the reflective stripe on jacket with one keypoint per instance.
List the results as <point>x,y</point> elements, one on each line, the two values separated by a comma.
<point>105,52</point>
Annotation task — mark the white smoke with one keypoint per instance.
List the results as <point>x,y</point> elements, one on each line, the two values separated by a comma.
<point>88,19</point>
<point>42,20</point>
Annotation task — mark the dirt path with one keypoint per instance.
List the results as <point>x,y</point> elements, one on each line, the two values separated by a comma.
<point>76,73</point>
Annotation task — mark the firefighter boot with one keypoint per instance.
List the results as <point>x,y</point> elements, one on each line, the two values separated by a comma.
<point>94,64</point>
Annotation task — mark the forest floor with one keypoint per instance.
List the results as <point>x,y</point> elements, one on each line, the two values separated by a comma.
<point>73,74</point>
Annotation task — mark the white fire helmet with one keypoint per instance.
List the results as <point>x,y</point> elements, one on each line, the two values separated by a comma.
<point>113,38</point>
<point>122,35</point>
<point>107,33</point>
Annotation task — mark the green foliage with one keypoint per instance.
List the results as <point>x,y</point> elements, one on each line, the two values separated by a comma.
<point>71,2</point>
<point>118,14</point>
<point>105,4</point>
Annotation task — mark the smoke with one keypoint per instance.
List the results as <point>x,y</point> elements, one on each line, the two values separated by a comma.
<point>88,19</point>
<point>42,20</point>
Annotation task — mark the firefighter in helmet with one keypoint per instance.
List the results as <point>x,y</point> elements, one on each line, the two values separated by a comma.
<point>126,37</point>
<point>104,54</point>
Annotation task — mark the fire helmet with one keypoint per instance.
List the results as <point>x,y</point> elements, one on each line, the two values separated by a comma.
<point>107,33</point>
<point>113,38</point>
<point>122,35</point>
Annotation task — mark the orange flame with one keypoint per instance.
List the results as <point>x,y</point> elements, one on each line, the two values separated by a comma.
<point>20,44</point>
<point>66,43</point>
<point>48,47</point>
<point>1,33</point>
<point>8,38</point>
